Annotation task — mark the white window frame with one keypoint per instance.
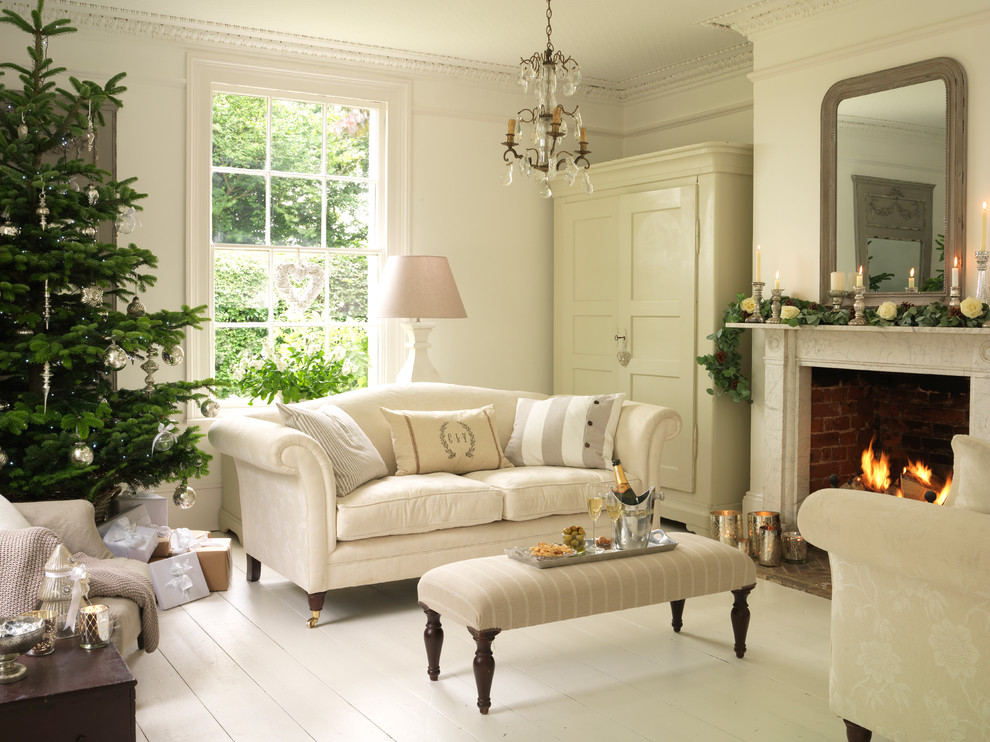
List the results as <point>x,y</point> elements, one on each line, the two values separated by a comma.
<point>208,75</point>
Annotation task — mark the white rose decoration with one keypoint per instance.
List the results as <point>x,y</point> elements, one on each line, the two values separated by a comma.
<point>748,305</point>
<point>971,307</point>
<point>887,311</point>
<point>789,311</point>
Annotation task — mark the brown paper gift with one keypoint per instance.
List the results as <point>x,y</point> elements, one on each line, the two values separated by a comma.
<point>214,558</point>
<point>162,550</point>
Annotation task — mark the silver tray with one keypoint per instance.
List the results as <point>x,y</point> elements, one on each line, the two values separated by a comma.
<point>659,541</point>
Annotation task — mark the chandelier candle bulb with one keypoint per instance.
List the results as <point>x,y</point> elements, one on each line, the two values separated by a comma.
<point>556,115</point>
<point>837,281</point>
<point>512,129</point>
<point>584,135</point>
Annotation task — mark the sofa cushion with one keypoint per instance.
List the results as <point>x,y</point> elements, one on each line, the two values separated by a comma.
<point>574,431</point>
<point>970,474</point>
<point>355,460</point>
<point>455,441</point>
<point>10,517</point>
<point>415,504</point>
<point>531,492</point>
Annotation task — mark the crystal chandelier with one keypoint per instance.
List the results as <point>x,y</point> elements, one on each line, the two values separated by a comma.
<point>548,73</point>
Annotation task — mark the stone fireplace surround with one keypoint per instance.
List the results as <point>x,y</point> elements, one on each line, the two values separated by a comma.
<point>789,355</point>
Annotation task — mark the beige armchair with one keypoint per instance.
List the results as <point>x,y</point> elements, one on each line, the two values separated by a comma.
<point>910,633</point>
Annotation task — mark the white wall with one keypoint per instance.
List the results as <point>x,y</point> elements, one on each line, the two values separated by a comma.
<point>794,67</point>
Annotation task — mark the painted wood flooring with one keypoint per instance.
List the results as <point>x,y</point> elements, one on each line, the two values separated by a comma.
<point>242,665</point>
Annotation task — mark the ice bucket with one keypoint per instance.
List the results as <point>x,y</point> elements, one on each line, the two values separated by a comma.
<point>633,528</point>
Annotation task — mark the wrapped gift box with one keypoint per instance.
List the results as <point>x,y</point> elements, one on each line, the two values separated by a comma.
<point>177,580</point>
<point>125,539</point>
<point>185,539</point>
<point>137,516</point>
<point>155,505</point>
<point>164,548</point>
<point>214,558</point>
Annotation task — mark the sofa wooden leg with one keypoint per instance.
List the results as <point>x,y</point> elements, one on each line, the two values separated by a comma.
<point>315,606</point>
<point>433,638</point>
<point>677,614</point>
<point>740,618</point>
<point>253,569</point>
<point>484,666</point>
<point>856,733</point>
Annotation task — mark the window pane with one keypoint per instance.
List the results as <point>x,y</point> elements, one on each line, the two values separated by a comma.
<point>235,348</point>
<point>348,287</point>
<point>239,131</point>
<point>240,281</point>
<point>238,209</point>
<point>297,129</point>
<point>348,213</point>
<point>354,341</point>
<point>348,139</point>
<point>295,211</point>
<point>297,281</point>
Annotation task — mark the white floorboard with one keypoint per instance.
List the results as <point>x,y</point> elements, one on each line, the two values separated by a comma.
<point>242,665</point>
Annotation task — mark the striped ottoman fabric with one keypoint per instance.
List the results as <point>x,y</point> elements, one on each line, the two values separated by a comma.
<point>492,594</point>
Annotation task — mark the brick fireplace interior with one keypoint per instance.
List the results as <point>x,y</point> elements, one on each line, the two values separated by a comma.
<point>912,416</point>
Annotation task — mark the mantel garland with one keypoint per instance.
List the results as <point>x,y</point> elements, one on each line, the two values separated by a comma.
<point>724,365</point>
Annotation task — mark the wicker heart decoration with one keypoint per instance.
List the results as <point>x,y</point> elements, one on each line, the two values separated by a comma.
<point>298,283</point>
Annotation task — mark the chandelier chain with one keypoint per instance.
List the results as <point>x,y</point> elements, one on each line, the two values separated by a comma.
<point>549,28</point>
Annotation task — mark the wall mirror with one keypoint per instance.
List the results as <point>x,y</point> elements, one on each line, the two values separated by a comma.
<point>894,181</point>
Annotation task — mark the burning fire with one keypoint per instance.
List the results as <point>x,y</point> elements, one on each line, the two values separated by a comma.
<point>876,475</point>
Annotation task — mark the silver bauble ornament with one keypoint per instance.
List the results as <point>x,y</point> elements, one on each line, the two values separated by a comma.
<point>92,296</point>
<point>88,231</point>
<point>92,195</point>
<point>80,454</point>
<point>184,496</point>
<point>4,458</point>
<point>115,357</point>
<point>210,408</point>
<point>173,355</point>
<point>9,230</point>
<point>135,308</point>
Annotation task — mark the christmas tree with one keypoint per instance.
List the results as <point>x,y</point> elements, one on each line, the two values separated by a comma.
<point>66,428</point>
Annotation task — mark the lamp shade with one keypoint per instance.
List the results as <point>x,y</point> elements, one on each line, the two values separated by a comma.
<point>418,286</point>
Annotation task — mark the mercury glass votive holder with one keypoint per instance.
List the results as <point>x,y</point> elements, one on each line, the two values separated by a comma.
<point>94,626</point>
<point>795,548</point>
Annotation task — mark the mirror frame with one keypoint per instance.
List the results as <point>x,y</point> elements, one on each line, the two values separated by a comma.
<point>940,68</point>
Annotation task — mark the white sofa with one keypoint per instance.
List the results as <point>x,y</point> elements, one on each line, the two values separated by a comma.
<point>398,527</point>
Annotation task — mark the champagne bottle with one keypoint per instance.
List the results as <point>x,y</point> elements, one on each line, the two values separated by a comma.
<point>622,489</point>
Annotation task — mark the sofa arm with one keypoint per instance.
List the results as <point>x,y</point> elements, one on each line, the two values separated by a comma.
<point>287,494</point>
<point>918,540</point>
<point>639,438</point>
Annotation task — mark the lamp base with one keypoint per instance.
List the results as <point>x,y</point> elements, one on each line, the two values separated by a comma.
<point>418,366</point>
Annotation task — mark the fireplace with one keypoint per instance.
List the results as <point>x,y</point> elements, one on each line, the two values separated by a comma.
<point>792,356</point>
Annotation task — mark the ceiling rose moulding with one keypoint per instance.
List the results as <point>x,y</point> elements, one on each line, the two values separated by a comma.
<point>768,14</point>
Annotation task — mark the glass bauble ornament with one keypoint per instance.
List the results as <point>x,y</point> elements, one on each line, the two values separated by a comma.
<point>92,296</point>
<point>173,355</point>
<point>184,496</point>
<point>136,307</point>
<point>9,230</point>
<point>22,131</point>
<point>92,195</point>
<point>210,408</point>
<point>115,357</point>
<point>89,231</point>
<point>164,441</point>
<point>4,458</point>
<point>80,454</point>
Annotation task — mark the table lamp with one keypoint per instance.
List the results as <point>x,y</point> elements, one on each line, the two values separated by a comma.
<point>418,286</point>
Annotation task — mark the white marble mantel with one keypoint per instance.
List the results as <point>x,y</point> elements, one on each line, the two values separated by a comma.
<point>789,353</point>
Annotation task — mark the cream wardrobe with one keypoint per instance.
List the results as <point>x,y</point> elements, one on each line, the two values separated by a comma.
<point>643,269</point>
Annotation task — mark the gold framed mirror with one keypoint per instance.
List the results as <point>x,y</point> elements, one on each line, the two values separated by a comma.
<point>903,130</point>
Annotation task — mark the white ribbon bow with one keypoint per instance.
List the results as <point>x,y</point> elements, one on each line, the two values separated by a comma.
<point>180,580</point>
<point>124,532</point>
<point>77,574</point>
<point>182,540</point>
<point>162,430</point>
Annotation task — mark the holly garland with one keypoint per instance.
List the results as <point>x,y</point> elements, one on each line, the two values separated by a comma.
<point>724,364</point>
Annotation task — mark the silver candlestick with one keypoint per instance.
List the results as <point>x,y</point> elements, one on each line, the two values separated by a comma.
<point>954,296</point>
<point>836,295</point>
<point>775,307</point>
<point>757,315</point>
<point>859,306</point>
<point>981,275</point>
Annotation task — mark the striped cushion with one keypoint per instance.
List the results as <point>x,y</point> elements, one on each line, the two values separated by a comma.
<point>355,460</point>
<point>501,593</point>
<point>565,431</point>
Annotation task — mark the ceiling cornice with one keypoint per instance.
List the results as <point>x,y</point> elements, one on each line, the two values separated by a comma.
<point>734,60</point>
<point>766,14</point>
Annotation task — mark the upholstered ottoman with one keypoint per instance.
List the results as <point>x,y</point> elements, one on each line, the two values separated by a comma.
<point>492,594</point>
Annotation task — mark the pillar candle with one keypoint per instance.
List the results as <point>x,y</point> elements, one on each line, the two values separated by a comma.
<point>757,278</point>
<point>838,281</point>
<point>859,277</point>
<point>911,279</point>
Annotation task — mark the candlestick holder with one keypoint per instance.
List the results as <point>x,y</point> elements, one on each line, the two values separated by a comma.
<point>837,295</point>
<point>775,306</point>
<point>859,306</point>
<point>954,296</point>
<point>981,275</point>
<point>757,315</point>
<point>911,289</point>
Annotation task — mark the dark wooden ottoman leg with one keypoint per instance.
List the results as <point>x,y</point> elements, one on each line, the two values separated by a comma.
<point>253,569</point>
<point>856,733</point>
<point>740,618</point>
<point>433,637</point>
<point>677,614</point>
<point>484,666</point>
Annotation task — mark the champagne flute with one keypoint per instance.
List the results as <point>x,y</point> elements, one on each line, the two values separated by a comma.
<point>594,510</point>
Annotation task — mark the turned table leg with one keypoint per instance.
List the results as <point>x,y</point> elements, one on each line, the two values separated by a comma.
<point>484,666</point>
<point>856,733</point>
<point>677,614</point>
<point>433,638</point>
<point>740,618</point>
